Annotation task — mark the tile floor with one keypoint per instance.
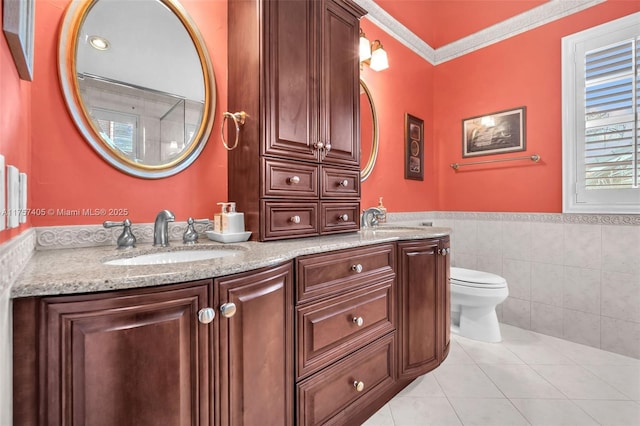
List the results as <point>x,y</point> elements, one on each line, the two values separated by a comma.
<point>528,379</point>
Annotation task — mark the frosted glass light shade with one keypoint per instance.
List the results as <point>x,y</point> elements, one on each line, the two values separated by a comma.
<point>365,48</point>
<point>379,60</point>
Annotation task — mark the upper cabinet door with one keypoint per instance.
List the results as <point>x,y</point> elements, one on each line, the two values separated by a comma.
<point>291,89</point>
<point>339,88</point>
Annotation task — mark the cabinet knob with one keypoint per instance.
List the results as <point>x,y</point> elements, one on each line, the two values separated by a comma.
<point>344,183</point>
<point>294,180</point>
<point>294,219</point>
<point>357,268</point>
<point>327,147</point>
<point>206,315</point>
<point>358,385</point>
<point>228,309</point>
<point>444,251</point>
<point>319,145</point>
<point>358,321</point>
<point>343,217</point>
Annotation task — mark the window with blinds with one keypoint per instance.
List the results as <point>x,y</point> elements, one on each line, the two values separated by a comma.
<point>600,128</point>
<point>611,117</point>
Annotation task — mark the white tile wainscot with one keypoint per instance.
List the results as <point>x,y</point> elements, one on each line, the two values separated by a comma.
<point>571,276</point>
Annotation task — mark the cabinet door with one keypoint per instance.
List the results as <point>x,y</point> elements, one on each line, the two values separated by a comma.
<point>340,87</point>
<point>445,297</point>
<point>418,301</point>
<point>291,92</point>
<point>256,348</point>
<point>132,357</point>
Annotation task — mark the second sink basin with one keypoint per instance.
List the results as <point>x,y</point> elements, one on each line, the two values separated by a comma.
<point>171,257</point>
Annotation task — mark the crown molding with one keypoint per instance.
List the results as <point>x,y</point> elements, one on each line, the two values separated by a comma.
<point>526,21</point>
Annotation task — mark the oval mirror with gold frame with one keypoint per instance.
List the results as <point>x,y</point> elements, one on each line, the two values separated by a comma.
<point>368,132</point>
<point>138,82</point>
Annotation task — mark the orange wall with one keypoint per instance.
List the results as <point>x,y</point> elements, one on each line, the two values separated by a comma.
<point>15,122</point>
<point>68,174</point>
<point>405,87</point>
<point>38,135</point>
<point>521,71</point>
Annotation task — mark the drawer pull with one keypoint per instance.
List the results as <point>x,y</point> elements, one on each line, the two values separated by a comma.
<point>228,309</point>
<point>344,183</point>
<point>294,219</point>
<point>358,385</point>
<point>357,268</point>
<point>294,180</point>
<point>206,315</point>
<point>343,217</point>
<point>358,321</point>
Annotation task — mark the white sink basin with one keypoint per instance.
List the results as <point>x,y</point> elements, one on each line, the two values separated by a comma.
<point>168,257</point>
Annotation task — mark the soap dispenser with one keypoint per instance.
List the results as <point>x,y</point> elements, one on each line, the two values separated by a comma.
<point>232,221</point>
<point>383,211</point>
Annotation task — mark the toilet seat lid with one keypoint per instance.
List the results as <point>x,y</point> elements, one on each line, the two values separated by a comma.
<point>472,278</point>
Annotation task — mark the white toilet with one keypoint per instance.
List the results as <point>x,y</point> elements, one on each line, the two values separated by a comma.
<point>474,296</point>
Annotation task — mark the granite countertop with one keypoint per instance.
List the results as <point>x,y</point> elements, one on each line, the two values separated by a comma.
<point>81,270</point>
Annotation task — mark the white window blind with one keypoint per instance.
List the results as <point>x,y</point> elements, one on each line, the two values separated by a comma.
<point>601,148</point>
<point>611,102</point>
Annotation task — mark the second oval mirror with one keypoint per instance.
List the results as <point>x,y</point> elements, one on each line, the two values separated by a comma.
<point>368,132</point>
<point>138,82</point>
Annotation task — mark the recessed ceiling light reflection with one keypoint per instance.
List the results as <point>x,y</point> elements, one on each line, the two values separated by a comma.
<point>99,43</point>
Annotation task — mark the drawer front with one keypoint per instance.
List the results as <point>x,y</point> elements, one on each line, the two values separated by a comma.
<point>340,217</point>
<point>337,183</point>
<point>323,275</point>
<point>332,396</point>
<point>330,329</point>
<point>286,220</point>
<point>290,179</point>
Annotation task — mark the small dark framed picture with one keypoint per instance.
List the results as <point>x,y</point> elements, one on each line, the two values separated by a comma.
<point>494,133</point>
<point>414,147</point>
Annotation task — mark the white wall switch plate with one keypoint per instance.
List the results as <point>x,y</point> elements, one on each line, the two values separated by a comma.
<point>13,196</point>
<point>23,197</point>
<point>3,205</point>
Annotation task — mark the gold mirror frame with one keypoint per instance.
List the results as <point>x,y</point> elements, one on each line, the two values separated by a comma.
<point>67,48</point>
<point>371,162</point>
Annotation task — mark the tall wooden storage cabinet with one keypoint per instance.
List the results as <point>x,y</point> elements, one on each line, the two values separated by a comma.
<point>294,69</point>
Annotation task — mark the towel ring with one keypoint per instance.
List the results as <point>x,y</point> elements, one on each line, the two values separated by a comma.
<point>238,119</point>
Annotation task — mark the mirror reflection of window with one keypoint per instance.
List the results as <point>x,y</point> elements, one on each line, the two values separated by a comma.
<point>118,129</point>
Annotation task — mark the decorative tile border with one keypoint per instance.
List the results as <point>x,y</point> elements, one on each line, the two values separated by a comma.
<point>586,219</point>
<point>77,236</point>
<point>14,255</point>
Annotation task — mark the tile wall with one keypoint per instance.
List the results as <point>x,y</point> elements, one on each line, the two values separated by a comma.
<point>576,277</point>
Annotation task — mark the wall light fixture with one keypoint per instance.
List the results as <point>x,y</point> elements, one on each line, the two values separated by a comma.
<point>372,54</point>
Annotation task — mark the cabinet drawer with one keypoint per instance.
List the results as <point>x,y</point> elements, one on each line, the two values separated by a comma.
<point>338,183</point>
<point>290,179</point>
<point>331,397</point>
<point>340,217</point>
<point>326,274</point>
<point>329,329</point>
<point>287,220</point>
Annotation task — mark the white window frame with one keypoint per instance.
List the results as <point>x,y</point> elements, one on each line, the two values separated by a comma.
<point>617,201</point>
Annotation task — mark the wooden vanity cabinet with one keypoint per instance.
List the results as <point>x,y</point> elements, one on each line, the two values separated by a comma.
<point>293,67</point>
<point>143,357</point>
<point>424,301</point>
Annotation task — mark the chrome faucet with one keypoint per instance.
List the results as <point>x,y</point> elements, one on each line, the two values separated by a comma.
<point>161,228</point>
<point>370,217</point>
